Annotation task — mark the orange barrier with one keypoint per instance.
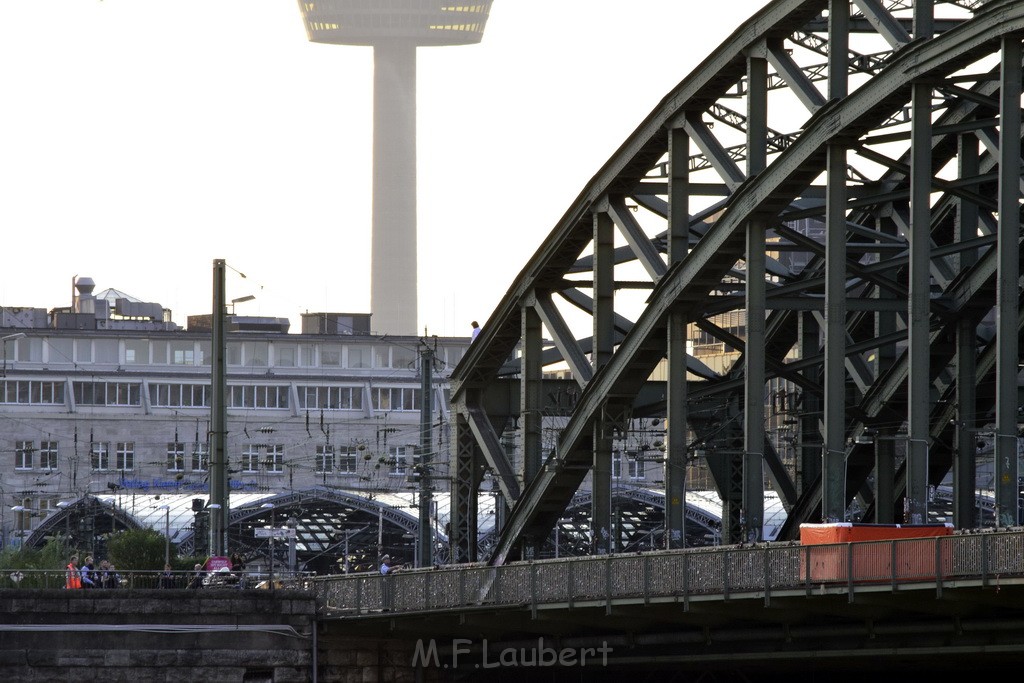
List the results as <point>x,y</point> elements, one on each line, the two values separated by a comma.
<point>872,552</point>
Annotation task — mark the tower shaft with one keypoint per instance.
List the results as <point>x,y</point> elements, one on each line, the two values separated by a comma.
<point>393,298</point>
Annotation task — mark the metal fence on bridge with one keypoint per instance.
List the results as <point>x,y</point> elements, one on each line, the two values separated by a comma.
<point>678,575</point>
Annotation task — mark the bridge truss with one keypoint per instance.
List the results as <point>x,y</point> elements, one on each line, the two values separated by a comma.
<point>841,182</point>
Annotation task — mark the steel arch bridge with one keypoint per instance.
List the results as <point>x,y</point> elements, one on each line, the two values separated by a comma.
<point>833,198</point>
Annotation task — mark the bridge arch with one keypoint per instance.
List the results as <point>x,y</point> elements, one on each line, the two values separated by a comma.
<point>894,129</point>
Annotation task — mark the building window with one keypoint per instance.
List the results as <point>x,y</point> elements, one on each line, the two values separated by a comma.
<point>275,459</point>
<point>324,459</point>
<point>200,457</point>
<point>359,356</point>
<point>108,394</point>
<point>106,351</point>
<point>136,351</point>
<point>204,353</point>
<point>257,354</point>
<point>637,469</point>
<point>60,351</point>
<point>251,459</point>
<point>330,355</point>
<point>384,399</point>
<point>99,455</point>
<point>616,464</point>
<point>404,358</point>
<point>175,457</point>
<point>285,355</point>
<point>179,395</point>
<point>45,507</point>
<point>32,392</point>
<point>330,398</point>
<point>401,457</point>
<point>183,353</point>
<point>23,455</point>
<point>262,396</point>
<point>83,350</point>
<point>47,455</point>
<point>125,455</point>
<point>347,462</point>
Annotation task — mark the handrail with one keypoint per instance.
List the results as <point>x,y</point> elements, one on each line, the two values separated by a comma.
<point>678,575</point>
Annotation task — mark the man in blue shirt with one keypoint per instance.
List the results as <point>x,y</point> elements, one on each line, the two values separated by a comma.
<point>88,572</point>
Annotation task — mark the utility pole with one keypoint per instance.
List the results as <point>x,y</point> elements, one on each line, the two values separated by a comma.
<point>218,418</point>
<point>426,541</point>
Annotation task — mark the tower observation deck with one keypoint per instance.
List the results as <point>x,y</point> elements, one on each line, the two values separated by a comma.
<point>395,29</point>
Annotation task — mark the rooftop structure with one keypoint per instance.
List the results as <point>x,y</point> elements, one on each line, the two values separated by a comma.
<point>394,32</point>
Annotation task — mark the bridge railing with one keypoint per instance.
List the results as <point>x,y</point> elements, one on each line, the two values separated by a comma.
<point>678,575</point>
<point>24,579</point>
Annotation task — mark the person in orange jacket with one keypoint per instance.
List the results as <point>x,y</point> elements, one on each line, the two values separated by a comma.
<point>74,578</point>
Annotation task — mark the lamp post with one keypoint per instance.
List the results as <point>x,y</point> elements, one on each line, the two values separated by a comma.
<point>64,505</point>
<point>215,509</point>
<point>20,524</point>
<point>167,533</point>
<point>270,506</point>
<point>241,299</point>
<point>293,525</point>
<point>4,340</point>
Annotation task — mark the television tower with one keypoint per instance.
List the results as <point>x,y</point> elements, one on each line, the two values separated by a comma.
<point>394,29</point>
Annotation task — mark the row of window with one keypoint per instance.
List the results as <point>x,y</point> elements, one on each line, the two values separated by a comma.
<point>195,457</point>
<point>255,458</point>
<point>637,467</point>
<point>175,395</point>
<point>252,353</point>
<point>47,456</point>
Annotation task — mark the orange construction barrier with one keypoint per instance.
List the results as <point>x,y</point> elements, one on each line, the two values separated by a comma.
<point>872,552</point>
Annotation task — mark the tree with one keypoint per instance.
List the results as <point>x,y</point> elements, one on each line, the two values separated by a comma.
<point>137,549</point>
<point>38,565</point>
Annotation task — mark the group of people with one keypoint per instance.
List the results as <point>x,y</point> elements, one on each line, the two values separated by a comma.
<point>105,576</point>
<point>89,576</point>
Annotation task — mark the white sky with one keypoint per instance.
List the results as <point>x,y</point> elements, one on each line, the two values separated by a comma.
<point>142,139</point>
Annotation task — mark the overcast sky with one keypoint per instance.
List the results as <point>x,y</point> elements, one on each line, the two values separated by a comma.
<point>142,139</point>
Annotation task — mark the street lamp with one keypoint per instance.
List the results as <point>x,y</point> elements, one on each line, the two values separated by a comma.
<point>239,300</point>
<point>167,533</point>
<point>20,524</point>
<point>64,505</point>
<point>4,340</point>
<point>213,534</point>
<point>270,506</point>
<point>292,525</point>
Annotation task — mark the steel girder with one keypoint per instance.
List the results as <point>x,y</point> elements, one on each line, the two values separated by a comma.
<point>875,231</point>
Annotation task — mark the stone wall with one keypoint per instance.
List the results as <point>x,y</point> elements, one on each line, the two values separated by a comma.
<point>154,636</point>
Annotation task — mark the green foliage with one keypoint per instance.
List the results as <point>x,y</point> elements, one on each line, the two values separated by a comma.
<point>182,564</point>
<point>54,555</point>
<point>137,549</point>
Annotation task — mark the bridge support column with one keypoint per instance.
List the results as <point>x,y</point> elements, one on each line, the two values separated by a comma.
<point>833,461</point>
<point>965,507</point>
<point>754,353</point>
<point>919,384</point>
<point>462,536</point>
<point>676,395</point>
<point>885,437</point>
<point>1008,292</point>
<point>833,474</point>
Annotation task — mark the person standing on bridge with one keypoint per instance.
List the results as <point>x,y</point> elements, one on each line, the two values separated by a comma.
<point>74,579</point>
<point>88,572</point>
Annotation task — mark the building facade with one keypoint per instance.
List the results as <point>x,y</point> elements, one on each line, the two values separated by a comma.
<point>110,395</point>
